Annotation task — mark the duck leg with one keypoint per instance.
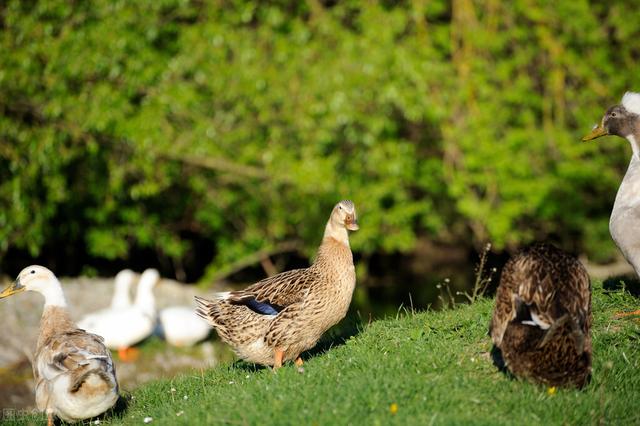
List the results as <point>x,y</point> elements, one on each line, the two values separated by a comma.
<point>628,314</point>
<point>551,331</point>
<point>298,362</point>
<point>49,419</point>
<point>277,359</point>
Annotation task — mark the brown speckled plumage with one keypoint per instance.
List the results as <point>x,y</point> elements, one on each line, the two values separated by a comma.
<point>66,354</point>
<point>542,318</point>
<point>308,301</point>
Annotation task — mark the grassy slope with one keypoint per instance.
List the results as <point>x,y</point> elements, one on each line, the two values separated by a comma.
<point>434,365</point>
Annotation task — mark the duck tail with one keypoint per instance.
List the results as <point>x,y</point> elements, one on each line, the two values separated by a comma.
<point>206,309</point>
<point>234,322</point>
<point>215,312</point>
<point>96,378</point>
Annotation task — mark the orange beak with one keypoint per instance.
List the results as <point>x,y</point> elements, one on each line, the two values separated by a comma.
<point>351,223</point>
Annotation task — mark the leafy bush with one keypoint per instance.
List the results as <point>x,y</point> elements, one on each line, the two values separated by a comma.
<point>144,124</point>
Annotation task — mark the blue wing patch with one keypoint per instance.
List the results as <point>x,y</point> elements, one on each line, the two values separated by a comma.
<point>263,308</point>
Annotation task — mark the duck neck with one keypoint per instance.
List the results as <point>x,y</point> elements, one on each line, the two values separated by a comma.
<point>55,316</point>
<point>53,295</point>
<point>145,300</point>
<point>336,232</point>
<point>121,297</point>
<point>55,319</point>
<point>634,140</point>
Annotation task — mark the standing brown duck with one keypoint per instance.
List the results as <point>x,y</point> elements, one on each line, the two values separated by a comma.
<point>276,319</point>
<point>542,319</point>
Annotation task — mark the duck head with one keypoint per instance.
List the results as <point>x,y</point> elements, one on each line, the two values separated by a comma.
<point>620,120</point>
<point>39,279</point>
<point>344,215</point>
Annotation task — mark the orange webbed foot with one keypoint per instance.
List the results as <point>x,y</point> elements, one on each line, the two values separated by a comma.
<point>128,354</point>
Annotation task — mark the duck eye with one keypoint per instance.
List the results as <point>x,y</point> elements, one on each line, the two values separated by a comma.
<point>613,114</point>
<point>33,271</point>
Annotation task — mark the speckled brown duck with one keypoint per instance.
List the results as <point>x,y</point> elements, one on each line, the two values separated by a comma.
<point>276,319</point>
<point>542,318</point>
<point>74,374</point>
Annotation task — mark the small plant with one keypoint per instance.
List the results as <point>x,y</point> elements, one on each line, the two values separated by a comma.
<point>483,279</point>
<point>446,297</point>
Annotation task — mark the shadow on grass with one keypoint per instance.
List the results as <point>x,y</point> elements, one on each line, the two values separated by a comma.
<point>336,336</point>
<point>629,283</point>
<point>498,362</point>
<point>249,367</point>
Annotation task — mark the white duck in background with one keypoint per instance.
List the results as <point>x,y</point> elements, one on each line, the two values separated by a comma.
<point>180,326</point>
<point>121,299</point>
<point>124,327</point>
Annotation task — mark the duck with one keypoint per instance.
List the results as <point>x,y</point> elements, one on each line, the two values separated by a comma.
<point>180,326</point>
<point>121,299</point>
<point>623,120</point>
<point>123,328</point>
<point>75,377</point>
<point>541,322</point>
<point>274,320</point>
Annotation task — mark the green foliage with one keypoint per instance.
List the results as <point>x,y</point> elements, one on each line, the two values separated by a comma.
<point>140,124</point>
<point>435,366</point>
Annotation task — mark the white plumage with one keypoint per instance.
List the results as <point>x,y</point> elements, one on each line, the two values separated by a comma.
<point>124,327</point>
<point>121,299</point>
<point>180,326</point>
<point>631,102</point>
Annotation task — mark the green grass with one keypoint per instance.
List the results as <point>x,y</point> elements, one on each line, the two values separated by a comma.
<point>434,365</point>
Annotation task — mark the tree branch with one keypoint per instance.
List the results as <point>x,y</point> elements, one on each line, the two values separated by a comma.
<point>211,277</point>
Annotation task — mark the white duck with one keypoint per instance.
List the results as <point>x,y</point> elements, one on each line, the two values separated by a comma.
<point>180,326</point>
<point>123,328</point>
<point>624,120</point>
<point>73,370</point>
<point>121,299</point>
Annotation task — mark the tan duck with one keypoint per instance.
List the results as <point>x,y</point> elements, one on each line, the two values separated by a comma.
<point>73,370</point>
<point>624,120</point>
<point>278,318</point>
<point>542,318</point>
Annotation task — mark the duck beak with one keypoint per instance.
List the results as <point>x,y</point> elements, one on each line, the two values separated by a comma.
<point>597,131</point>
<point>352,225</point>
<point>13,288</point>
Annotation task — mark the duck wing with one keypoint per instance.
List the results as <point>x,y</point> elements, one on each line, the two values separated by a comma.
<point>273,294</point>
<point>75,353</point>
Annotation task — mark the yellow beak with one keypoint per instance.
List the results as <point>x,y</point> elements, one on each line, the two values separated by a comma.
<point>596,133</point>
<point>14,288</point>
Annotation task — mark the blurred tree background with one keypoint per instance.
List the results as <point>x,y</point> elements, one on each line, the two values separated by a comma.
<point>211,135</point>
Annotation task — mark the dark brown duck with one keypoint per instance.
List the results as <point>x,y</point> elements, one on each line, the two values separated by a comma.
<point>542,319</point>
